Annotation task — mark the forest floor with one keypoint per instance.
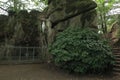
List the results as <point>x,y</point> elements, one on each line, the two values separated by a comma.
<point>44,72</point>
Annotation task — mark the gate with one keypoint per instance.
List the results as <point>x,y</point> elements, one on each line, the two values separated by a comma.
<point>18,55</point>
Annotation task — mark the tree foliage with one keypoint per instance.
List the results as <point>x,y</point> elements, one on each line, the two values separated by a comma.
<point>105,19</point>
<point>17,5</point>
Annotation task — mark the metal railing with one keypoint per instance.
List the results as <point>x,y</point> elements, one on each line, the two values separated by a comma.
<point>22,54</point>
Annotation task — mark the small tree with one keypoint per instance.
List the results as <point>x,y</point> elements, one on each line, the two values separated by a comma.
<point>103,9</point>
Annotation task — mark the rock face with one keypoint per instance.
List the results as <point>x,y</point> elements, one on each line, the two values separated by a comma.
<point>29,26</point>
<point>6,28</point>
<point>25,29</point>
<point>65,13</point>
<point>3,20</point>
<point>114,34</point>
<point>20,29</point>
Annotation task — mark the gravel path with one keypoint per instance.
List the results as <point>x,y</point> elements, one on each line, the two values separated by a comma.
<point>43,72</point>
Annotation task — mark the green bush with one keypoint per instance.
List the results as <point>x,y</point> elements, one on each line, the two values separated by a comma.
<point>81,50</point>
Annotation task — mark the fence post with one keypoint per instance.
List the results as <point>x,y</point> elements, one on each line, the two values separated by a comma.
<point>20,54</point>
<point>7,51</point>
<point>33,53</point>
<point>27,54</point>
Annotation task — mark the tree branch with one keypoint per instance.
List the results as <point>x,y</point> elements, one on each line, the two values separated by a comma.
<point>3,9</point>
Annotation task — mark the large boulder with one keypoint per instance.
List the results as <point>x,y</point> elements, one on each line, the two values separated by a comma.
<point>65,13</point>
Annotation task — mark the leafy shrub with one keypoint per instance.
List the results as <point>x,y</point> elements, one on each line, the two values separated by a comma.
<point>81,50</point>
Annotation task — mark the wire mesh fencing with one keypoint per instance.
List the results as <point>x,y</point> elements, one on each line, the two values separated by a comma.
<point>15,54</point>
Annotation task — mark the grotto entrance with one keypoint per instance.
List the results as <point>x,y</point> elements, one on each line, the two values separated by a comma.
<point>21,38</point>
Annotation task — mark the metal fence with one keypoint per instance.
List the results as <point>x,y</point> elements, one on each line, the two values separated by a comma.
<point>22,54</point>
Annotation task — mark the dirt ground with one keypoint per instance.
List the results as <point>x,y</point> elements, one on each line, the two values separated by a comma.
<point>44,72</point>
